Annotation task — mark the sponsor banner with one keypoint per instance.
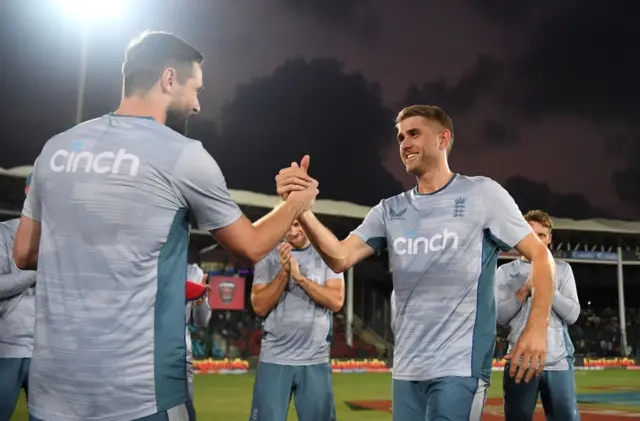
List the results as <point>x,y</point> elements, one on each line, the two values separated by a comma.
<point>359,366</point>
<point>227,293</point>
<point>587,363</point>
<point>608,362</point>
<point>226,366</point>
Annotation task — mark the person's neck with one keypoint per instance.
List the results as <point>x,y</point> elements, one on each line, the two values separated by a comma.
<point>305,245</point>
<point>434,180</point>
<point>137,106</point>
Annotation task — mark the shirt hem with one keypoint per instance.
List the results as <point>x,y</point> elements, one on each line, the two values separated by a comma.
<point>432,376</point>
<point>294,363</point>
<point>222,224</point>
<point>141,413</point>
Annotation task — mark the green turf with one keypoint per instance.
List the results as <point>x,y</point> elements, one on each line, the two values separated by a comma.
<point>228,397</point>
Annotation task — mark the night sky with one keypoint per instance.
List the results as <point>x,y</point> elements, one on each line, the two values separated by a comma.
<point>544,94</point>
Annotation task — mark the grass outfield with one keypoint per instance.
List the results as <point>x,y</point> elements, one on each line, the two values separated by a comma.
<point>228,397</point>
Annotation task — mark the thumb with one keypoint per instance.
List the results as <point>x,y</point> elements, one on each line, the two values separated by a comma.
<point>294,165</point>
<point>507,357</point>
<point>304,164</point>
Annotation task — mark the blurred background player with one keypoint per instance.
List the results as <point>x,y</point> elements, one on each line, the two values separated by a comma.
<point>17,319</point>
<point>443,238</point>
<point>298,294</point>
<point>556,386</point>
<point>107,222</point>
<point>199,313</point>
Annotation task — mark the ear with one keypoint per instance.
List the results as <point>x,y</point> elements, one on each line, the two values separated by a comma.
<point>445,140</point>
<point>168,79</point>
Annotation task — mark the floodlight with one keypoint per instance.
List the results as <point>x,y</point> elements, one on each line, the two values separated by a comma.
<point>92,10</point>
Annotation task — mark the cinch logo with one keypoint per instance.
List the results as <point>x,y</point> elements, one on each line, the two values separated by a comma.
<point>74,160</point>
<point>411,244</point>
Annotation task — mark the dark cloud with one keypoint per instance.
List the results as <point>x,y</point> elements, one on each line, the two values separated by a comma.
<point>308,107</point>
<point>459,98</point>
<point>578,60</point>
<point>353,17</point>
<point>532,195</point>
<point>583,62</point>
<point>498,134</point>
<point>514,14</point>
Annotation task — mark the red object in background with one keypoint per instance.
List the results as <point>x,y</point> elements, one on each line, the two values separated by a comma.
<point>195,290</point>
<point>227,293</point>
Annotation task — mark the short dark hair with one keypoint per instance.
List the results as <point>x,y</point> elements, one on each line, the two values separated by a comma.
<point>430,112</point>
<point>541,217</point>
<point>150,54</point>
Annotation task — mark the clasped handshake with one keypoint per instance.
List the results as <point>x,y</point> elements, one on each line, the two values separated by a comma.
<point>295,185</point>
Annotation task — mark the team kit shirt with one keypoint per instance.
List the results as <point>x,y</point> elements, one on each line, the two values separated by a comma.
<point>444,250</point>
<point>17,299</point>
<point>297,331</point>
<point>565,309</point>
<point>114,196</point>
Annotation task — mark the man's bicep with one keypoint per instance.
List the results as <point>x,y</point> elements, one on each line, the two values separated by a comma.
<point>359,249</point>
<point>32,207</point>
<point>532,248</point>
<point>26,244</point>
<point>201,183</point>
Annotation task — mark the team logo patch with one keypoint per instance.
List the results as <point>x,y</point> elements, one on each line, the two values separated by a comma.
<point>459,207</point>
<point>226,290</point>
<point>397,215</point>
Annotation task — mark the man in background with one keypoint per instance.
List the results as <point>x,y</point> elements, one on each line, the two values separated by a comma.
<point>17,320</point>
<point>556,386</point>
<point>298,294</point>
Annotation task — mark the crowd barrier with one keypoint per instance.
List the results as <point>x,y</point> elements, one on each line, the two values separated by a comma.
<point>240,366</point>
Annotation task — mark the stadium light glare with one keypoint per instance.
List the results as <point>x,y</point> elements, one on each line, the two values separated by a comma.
<point>92,10</point>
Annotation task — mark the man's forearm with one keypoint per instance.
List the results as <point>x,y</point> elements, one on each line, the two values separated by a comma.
<point>272,228</point>
<point>266,299</point>
<point>325,243</point>
<point>565,307</point>
<point>543,276</point>
<point>15,283</point>
<point>327,297</point>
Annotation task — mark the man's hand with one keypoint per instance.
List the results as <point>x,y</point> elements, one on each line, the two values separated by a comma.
<point>284,252</point>
<point>530,353</point>
<point>295,270</point>
<point>523,293</point>
<point>295,180</point>
<point>203,281</point>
